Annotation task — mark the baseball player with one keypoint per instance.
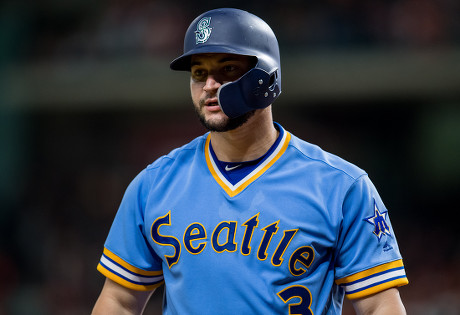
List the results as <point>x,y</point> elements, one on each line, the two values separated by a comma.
<point>248,218</point>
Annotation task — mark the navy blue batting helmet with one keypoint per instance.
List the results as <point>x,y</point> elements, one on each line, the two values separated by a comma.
<point>235,31</point>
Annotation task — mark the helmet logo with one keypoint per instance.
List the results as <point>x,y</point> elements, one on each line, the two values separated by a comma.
<point>203,31</point>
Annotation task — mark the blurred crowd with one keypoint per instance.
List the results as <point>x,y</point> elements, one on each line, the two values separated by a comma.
<point>120,28</point>
<point>70,169</point>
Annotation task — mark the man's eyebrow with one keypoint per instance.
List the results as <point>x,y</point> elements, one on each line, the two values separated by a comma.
<point>195,63</point>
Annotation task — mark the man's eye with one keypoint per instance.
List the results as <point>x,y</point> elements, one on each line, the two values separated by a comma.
<point>199,75</point>
<point>230,68</point>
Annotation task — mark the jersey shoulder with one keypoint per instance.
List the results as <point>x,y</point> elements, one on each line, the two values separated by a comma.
<point>314,153</point>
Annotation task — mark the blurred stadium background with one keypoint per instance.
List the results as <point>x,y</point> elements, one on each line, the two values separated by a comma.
<point>87,100</point>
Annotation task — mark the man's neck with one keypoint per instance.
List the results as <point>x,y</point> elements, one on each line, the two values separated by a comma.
<point>248,142</point>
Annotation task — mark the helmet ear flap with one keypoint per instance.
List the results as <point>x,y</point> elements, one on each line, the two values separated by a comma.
<point>273,80</point>
<point>254,90</point>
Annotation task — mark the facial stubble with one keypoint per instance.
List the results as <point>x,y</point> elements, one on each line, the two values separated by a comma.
<point>225,125</point>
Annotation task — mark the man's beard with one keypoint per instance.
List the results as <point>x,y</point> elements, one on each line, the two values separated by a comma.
<point>226,125</point>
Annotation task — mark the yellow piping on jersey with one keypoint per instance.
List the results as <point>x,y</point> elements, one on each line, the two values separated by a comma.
<point>233,190</point>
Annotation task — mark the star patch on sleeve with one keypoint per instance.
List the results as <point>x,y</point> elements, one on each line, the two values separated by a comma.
<point>378,220</point>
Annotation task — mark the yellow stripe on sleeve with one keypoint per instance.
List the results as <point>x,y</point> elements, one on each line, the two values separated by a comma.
<point>371,271</point>
<point>378,288</point>
<point>374,280</point>
<point>126,283</point>
<point>131,268</point>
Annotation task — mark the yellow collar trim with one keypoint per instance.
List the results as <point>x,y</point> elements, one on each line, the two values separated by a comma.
<point>233,190</point>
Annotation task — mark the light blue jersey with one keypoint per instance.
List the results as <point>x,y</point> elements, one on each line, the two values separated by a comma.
<point>294,236</point>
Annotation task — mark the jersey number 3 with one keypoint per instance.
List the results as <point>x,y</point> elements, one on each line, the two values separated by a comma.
<point>300,292</point>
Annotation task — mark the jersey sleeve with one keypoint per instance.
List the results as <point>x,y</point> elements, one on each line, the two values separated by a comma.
<point>368,258</point>
<point>128,258</point>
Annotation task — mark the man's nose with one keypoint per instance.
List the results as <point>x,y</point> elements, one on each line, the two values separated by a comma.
<point>212,83</point>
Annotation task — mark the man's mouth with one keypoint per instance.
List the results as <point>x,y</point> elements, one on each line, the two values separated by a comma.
<point>211,102</point>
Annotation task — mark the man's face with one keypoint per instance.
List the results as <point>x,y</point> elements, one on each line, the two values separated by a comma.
<point>208,73</point>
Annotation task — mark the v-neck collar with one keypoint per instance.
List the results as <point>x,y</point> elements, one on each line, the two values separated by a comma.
<point>233,190</point>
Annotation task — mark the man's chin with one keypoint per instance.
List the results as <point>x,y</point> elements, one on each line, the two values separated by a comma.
<point>224,124</point>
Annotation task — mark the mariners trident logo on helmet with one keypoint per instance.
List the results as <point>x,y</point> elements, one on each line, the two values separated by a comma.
<point>203,31</point>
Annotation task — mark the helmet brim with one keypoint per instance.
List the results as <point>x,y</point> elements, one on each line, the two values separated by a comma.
<point>183,62</point>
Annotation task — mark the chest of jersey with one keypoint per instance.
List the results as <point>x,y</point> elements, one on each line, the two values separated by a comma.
<point>280,229</point>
